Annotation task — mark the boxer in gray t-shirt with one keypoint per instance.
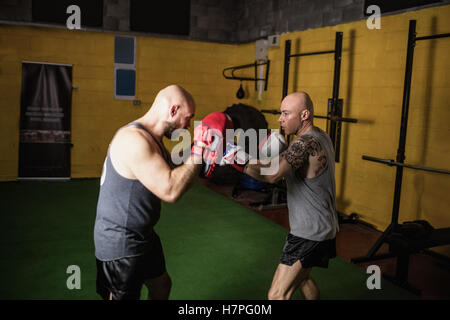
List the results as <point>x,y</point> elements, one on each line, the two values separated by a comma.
<point>308,167</point>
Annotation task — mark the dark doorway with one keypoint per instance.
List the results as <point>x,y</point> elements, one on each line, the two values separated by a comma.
<point>45,121</point>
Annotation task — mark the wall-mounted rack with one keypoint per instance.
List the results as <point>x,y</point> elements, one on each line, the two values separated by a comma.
<point>255,65</point>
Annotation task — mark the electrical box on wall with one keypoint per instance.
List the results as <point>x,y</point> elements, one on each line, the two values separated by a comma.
<point>274,41</point>
<point>261,49</point>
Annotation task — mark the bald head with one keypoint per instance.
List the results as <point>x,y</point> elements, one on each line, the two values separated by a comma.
<point>297,112</point>
<point>300,101</point>
<point>173,95</point>
<point>172,109</point>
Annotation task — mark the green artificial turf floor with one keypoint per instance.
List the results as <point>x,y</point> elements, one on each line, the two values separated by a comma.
<point>214,247</point>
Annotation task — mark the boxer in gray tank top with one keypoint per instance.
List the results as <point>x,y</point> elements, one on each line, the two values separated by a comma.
<point>308,168</point>
<point>137,175</point>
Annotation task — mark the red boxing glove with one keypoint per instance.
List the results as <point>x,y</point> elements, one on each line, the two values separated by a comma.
<point>208,140</point>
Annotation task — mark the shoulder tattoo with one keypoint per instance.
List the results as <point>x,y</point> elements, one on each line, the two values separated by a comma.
<point>301,148</point>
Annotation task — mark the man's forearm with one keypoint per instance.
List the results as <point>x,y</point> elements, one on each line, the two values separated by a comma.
<point>182,177</point>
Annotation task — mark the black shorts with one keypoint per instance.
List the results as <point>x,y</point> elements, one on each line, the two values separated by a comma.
<point>123,278</point>
<point>310,253</point>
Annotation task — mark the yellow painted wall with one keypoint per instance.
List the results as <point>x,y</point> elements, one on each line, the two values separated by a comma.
<point>372,75</point>
<point>373,64</point>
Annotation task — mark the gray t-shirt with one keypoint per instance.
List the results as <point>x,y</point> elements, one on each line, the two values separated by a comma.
<point>312,202</point>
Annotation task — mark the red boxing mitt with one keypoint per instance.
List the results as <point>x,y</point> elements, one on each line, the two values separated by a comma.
<point>208,141</point>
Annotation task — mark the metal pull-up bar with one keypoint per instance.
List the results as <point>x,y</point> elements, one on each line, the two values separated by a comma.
<point>391,163</point>
<point>246,66</point>
<point>287,60</point>
<point>311,53</point>
<point>337,119</point>
<point>435,36</point>
<point>332,118</point>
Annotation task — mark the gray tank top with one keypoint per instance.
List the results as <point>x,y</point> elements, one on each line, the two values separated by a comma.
<point>126,213</point>
<point>312,202</point>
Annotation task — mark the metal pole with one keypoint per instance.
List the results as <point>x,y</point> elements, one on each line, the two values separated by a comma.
<point>434,36</point>
<point>337,119</point>
<point>404,121</point>
<point>287,61</point>
<point>337,66</point>
<point>336,79</point>
<point>256,76</point>
<point>410,166</point>
<point>311,53</point>
<point>338,125</point>
<point>267,75</point>
<point>287,57</point>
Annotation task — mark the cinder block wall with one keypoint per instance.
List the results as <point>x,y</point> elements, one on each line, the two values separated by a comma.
<point>229,21</point>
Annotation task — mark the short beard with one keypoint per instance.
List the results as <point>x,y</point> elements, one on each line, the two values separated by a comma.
<point>170,128</point>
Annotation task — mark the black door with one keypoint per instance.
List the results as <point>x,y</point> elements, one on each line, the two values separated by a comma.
<point>45,118</point>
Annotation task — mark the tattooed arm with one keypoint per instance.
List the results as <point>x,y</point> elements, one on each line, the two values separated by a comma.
<point>296,157</point>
